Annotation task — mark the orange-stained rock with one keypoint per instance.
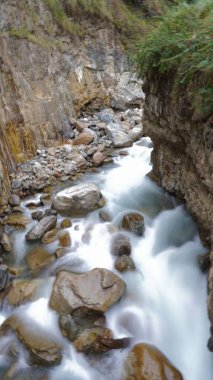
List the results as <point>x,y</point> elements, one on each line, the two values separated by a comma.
<point>84,138</point>
<point>146,362</point>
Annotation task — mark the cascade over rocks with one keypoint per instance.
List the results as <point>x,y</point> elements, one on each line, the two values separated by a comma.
<point>145,362</point>
<point>97,289</point>
<point>79,199</point>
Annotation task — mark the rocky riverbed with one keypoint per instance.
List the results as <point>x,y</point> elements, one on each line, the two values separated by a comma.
<point>79,288</point>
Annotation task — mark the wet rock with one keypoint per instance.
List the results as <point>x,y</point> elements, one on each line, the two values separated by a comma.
<point>86,237</point>
<point>45,224</point>
<point>133,222</point>
<point>65,239</point>
<point>49,212</point>
<point>124,263</point>
<point>98,158</point>
<point>37,215</point>
<point>68,326</point>
<point>60,252</point>
<point>45,198</point>
<point>50,236</point>
<point>66,223</point>
<point>85,138</point>
<point>120,245</point>
<point>148,363</point>
<point>18,209</point>
<point>14,200</point>
<point>5,242</point>
<point>4,277</point>
<point>79,199</point>
<point>104,216</point>
<point>43,348</point>
<point>38,259</point>
<point>34,204</point>
<point>97,289</point>
<point>23,291</point>
<point>119,138</point>
<point>86,318</point>
<point>17,220</point>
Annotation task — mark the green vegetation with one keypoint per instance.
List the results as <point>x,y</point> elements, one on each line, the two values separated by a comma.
<point>24,33</point>
<point>182,45</point>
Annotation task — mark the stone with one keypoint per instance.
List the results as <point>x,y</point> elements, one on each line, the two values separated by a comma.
<point>124,263</point>
<point>120,245</point>
<point>204,262</point>
<point>23,291</point>
<point>119,138</point>
<point>68,326</point>
<point>34,204</point>
<point>14,200</point>
<point>79,126</point>
<point>60,252</point>
<point>77,160</point>
<point>37,215</point>
<point>45,198</point>
<point>145,362</point>
<point>133,222</point>
<point>84,138</point>
<point>5,242</point>
<point>17,220</point>
<point>104,216</point>
<point>97,289</point>
<point>4,277</point>
<point>66,223</point>
<point>38,258</point>
<point>45,224</point>
<point>98,158</point>
<point>42,347</point>
<point>65,239</point>
<point>136,133</point>
<point>50,236</point>
<point>78,200</point>
<point>98,340</point>
<point>106,115</point>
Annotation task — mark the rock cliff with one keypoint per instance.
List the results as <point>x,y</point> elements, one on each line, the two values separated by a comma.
<point>48,75</point>
<point>182,133</point>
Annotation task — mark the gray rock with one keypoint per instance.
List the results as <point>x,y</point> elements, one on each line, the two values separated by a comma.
<point>135,133</point>
<point>79,199</point>
<point>106,116</point>
<point>45,224</point>
<point>97,289</point>
<point>4,276</point>
<point>119,138</point>
<point>14,200</point>
<point>120,245</point>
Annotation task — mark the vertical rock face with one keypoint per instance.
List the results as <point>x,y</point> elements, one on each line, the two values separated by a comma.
<point>48,75</point>
<point>182,134</point>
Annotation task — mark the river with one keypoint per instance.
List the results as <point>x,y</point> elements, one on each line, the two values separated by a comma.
<point>165,300</point>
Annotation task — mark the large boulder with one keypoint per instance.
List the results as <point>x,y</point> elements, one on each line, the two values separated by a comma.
<point>43,348</point>
<point>78,200</point>
<point>133,222</point>
<point>119,138</point>
<point>146,362</point>
<point>45,224</point>
<point>97,289</point>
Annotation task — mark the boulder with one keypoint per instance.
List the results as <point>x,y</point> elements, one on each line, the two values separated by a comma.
<point>66,223</point>
<point>43,348</point>
<point>5,242</point>
<point>50,236</point>
<point>148,363</point>
<point>124,263</point>
<point>97,289</point>
<point>23,291</point>
<point>65,239</point>
<point>116,134</point>
<point>14,200</point>
<point>45,224</point>
<point>98,340</point>
<point>38,259</point>
<point>120,245</point>
<point>135,133</point>
<point>17,220</point>
<point>78,200</point>
<point>98,158</point>
<point>133,222</point>
<point>85,138</point>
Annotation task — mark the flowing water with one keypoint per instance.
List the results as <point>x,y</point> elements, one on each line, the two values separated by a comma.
<point>165,300</point>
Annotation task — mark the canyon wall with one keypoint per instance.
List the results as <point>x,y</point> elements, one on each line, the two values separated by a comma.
<point>182,132</point>
<point>48,75</point>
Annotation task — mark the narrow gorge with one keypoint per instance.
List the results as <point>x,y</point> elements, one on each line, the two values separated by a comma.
<point>106,136</point>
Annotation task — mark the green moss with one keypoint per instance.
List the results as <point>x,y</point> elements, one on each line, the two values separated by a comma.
<point>24,33</point>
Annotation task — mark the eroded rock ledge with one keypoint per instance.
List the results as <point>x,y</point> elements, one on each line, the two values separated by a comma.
<point>182,157</point>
